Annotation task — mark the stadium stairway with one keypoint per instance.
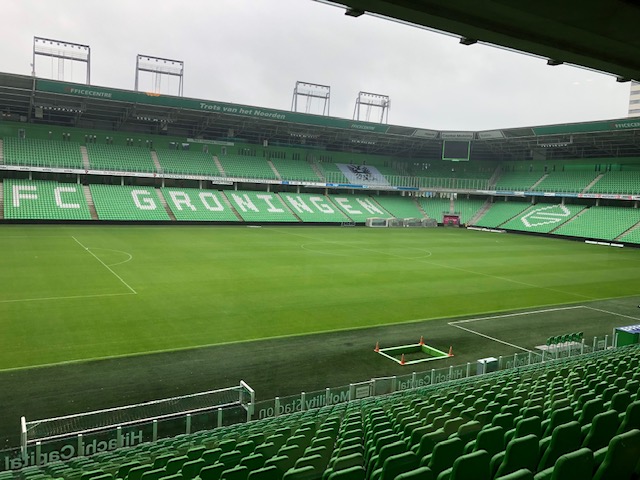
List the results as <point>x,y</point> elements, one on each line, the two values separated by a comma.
<point>156,162</point>
<point>1,152</point>
<point>288,207</point>
<point>92,207</point>
<point>275,171</point>
<point>163,200</point>
<point>491,183</point>
<point>581,212</point>
<point>424,214</point>
<point>480,213</point>
<point>315,168</point>
<point>533,187</point>
<point>627,232</point>
<point>85,157</point>
<point>593,182</point>
<point>227,202</point>
<point>1,201</point>
<point>219,165</point>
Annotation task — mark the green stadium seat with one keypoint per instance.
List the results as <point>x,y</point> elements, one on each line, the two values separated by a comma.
<point>520,453</point>
<point>443,455</point>
<point>576,464</point>
<point>471,466</point>
<point>564,439</point>
<point>620,458</point>
<point>601,430</point>
<point>521,474</point>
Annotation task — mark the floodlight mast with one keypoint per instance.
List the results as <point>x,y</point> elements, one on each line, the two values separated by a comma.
<point>310,91</point>
<point>372,101</point>
<point>158,67</point>
<point>62,50</point>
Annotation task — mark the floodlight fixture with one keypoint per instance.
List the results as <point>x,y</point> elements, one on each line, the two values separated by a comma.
<point>316,97</point>
<point>370,102</point>
<point>61,51</point>
<point>159,67</point>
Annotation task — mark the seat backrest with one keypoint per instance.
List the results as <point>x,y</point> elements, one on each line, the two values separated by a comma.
<point>491,440</point>
<point>472,466</point>
<point>602,429</point>
<point>622,456</point>
<point>444,454</point>
<point>565,438</point>
<point>631,418</point>
<point>576,464</point>
<point>520,453</point>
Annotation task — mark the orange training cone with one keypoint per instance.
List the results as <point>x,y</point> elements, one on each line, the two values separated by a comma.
<point>450,351</point>
<point>402,360</point>
<point>377,349</point>
<point>421,340</point>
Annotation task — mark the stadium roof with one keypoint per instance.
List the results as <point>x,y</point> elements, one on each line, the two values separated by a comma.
<point>597,34</point>
<point>94,107</point>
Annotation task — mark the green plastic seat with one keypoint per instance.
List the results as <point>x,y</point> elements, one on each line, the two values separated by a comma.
<point>238,472</point>
<point>443,456</point>
<point>564,439</point>
<point>631,418</point>
<point>302,473</point>
<point>577,464</point>
<point>471,466</point>
<point>520,453</point>
<point>620,457</point>
<point>601,430</point>
<point>353,473</point>
<point>395,465</point>
<point>521,474</point>
<point>489,439</point>
<point>525,426</point>
<point>420,473</point>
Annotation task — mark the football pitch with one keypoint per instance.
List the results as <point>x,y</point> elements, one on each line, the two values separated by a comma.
<point>284,308</point>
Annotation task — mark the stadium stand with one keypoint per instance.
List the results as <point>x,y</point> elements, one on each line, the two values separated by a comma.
<point>311,207</point>
<point>190,204</point>
<point>632,236</point>
<point>617,183</point>
<point>120,158</point>
<point>115,202</point>
<point>246,167</point>
<point>44,200</point>
<point>500,212</point>
<point>41,153</point>
<point>400,207</point>
<point>187,162</point>
<point>467,208</point>
<point>542,218</point>
<point>535,420</point>
<point>569,181</point>
<point>605,223</point>
<point>518,181</point>
<point>359,207</point>
<point>332,173</point>
<point>295,170</point>
<point>260,206</point>
<point>435,207</point>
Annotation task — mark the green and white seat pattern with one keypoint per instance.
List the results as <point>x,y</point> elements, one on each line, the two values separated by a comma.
<point>518,181</point>
<point>42,153</point>
<point>605,223</point>
<point>259,206</point>
<point>311,207</point>
<point>359,207</point>
<point>115,202</point>
<point>190,204</point>
<point>500,212</point>
<point>120,158</point>
<point>44,200</point>
<point>543,218</point>
<point>187,162</point>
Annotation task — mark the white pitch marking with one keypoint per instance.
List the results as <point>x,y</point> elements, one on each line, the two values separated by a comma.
<point>490,338</point>
<point>612,313</point>
<point>72,297</point>
<point>118,251</point>
<point>558,309</point>
<point>105,265</point>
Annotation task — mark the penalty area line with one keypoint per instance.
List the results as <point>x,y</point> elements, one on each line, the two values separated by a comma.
<point>489,337</point>
<point>70,297</point>
<point>105,266</point>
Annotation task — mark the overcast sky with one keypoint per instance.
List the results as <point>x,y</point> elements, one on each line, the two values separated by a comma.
<point>253,52</point>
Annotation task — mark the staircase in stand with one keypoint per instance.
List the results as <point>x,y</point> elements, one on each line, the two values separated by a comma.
<point>85,157</point>
<point>1,153</point>
<point>156,162</point>
<point>275,171</point>
<point>538,182</point>
<point>90,204</point>
<point>216,160</point>
<point>593,182</point>
<point>629,230</point>
<point>228,203</point>
<point>1,201</point>
<point>480,213</point>
<point>164,203</point>
<point>316,169</point>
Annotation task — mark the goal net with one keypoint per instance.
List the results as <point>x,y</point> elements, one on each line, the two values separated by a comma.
<point>82,423</point>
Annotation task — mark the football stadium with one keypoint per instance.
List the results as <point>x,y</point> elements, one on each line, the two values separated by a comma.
<point>198,289</point>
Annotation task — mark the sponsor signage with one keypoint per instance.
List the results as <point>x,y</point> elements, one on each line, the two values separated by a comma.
<point>457,135</point>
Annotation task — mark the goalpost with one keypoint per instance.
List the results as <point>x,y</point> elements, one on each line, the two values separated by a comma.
<point>147,414</point>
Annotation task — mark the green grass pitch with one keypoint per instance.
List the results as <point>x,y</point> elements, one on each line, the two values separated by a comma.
<point>71,293</point>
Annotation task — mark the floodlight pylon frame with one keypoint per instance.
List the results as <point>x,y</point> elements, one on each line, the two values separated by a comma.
<point>310,91</point>
<point>151,64</point>
<point>372,100</point>
<point>62,50</point>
